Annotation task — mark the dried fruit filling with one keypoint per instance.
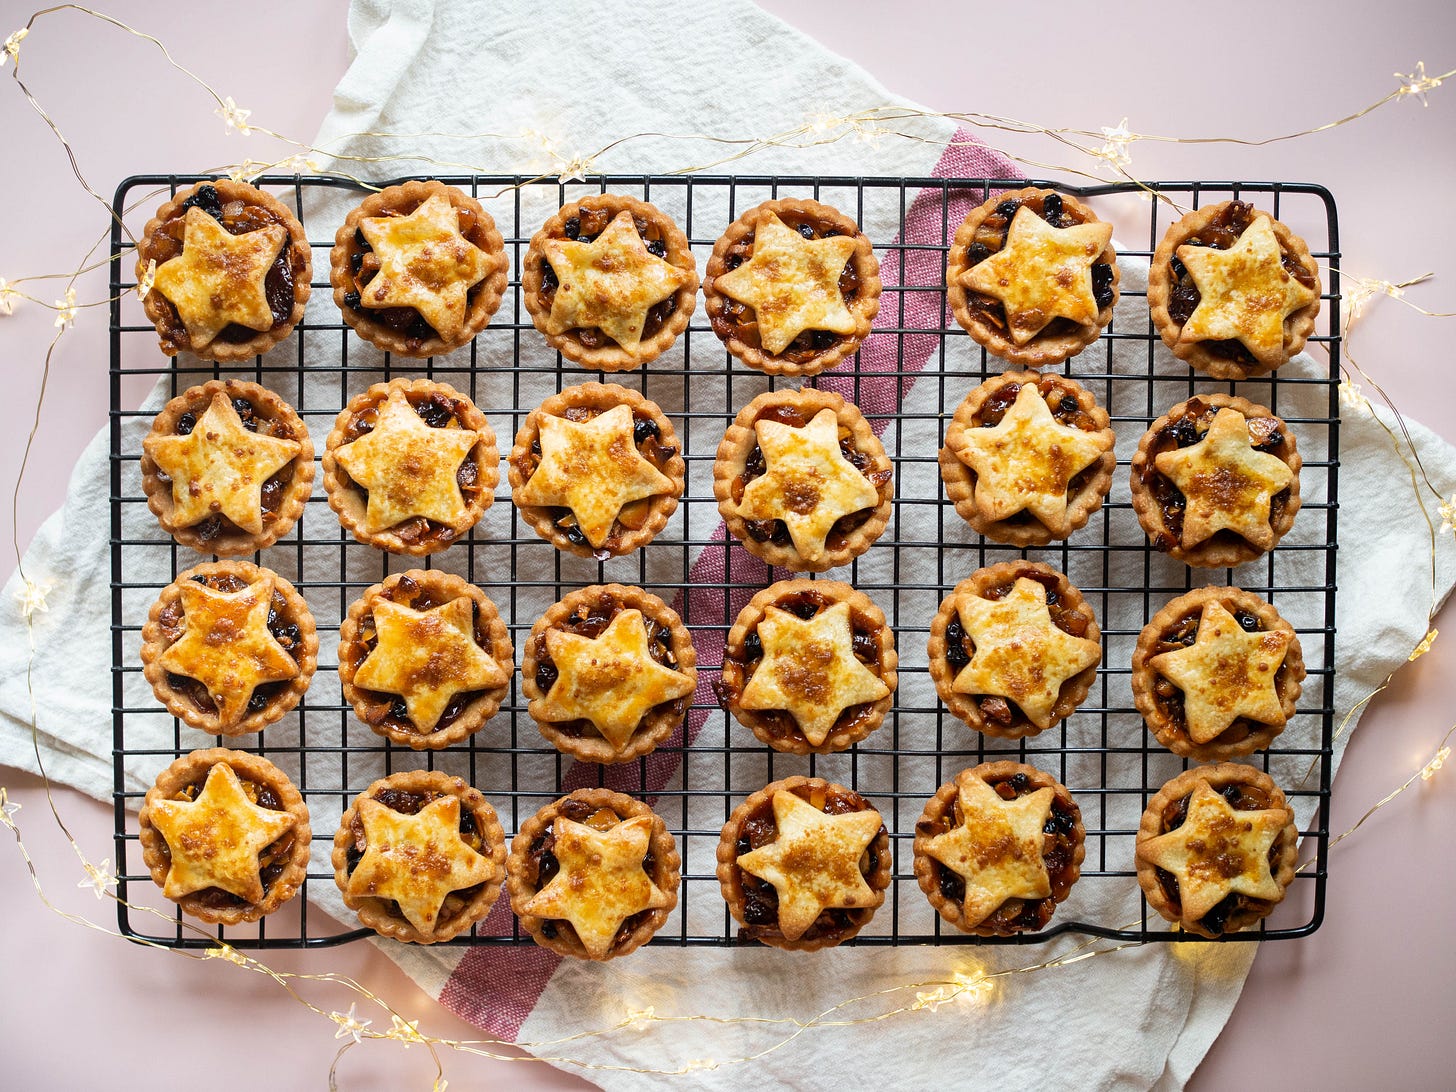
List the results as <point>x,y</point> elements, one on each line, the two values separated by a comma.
<point>1169,699</point>
<point>543,864</point>
<point>271,860</point>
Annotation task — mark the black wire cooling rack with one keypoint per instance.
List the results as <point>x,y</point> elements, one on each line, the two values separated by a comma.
<point>926,364</point>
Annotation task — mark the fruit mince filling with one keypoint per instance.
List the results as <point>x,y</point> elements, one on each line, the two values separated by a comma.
<point>740,320</point>
<point>1183,633</point>
<point>271,860</point>
<point>410,802</point>
<point>990,237</point>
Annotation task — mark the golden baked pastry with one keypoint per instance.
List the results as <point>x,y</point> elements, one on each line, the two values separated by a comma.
<point>1014,649</point>
<point>1216,849</point>
<point>610,672</point>
<point>410,466</point>
<point>1028,458</point>
<point>231,267</point>
<point>419,856</point>
<point>227,467</point>
<point>803,864</point>
<point>998,847</point>
<point>425,659</point>
<point>1215,481</point>
<point>611,282</point>
<point>593,875</point>
<point>809,666</point>
<point>225,835</point>
<point>229,647</point>
<point>802,481</point>
<point>1233,291</point>
<point>792,287</point>
<point>596,470</point>
<point>418,269</point>
<point>1032,276</point>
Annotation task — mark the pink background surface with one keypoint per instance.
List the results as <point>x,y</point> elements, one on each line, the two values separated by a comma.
<point>1365,1001</point>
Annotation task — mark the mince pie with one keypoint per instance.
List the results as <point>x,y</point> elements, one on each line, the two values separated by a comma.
<point>792,287</point>
<point>1216,849</point>
<point>610,281</point>
<point>998,847</point>
<point>610,672</point>
<point>1215,481</point>
<point>229,647</point>
<point>410,466</point>
<point>1028,458</point>
<point>419,856</point>
<point>593,875</point>
<point>802,480</point>
<point>597,470</point>
<point>809,666</point>
<point>225,835</point>
<point>425,659</point>
<point>418,269</point>
<point>804,864</point>
<point>1014,649</point>
<point>227,467</point>
<point>1216,674</point>
<point>1032,276</point>
<point>1233,291</point>
<point>230,269</point>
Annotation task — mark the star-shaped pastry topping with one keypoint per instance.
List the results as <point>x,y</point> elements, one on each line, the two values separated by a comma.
<point>810,671</point>
<point>1218,852</point>
<point>813,863</point>
<point>997,849</point>
<point>1225,674</point>
<point>219,277</point>
<point>1020,653</point>
<point>1027,460</point>
<point>219,468</point>
<point>409,468</point>
<point>1041,273</point>
<point>610,283</point>
<point>601,883</point>
<point>807,482</point>
<point>424,263</point>
<point>416,860</point>
<point>1246,293</point>
<point>427,657</point>
<point>227,645</point>
<point>1228,485</point>
<point>611,680</point>
<point>792,283</point>
<point>594,468</point>
<point>216,840</point>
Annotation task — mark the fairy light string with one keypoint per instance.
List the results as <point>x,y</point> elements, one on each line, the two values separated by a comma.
<point>1108,149</point>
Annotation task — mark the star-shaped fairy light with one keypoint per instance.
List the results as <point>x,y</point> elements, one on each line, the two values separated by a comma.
<point>792,283</point>
<point>1225,674</point>
<point>1246,293</point>
<point>32,596</point>
<point>997,848</point>
<point>66,310</point>
<point>1417,83</point>
<point>227,645</point>
<point>1218,852</point>
<point>611,680</point>
<point>1447,511</point>
<point>8,808</point>
<point>807,482</point>
<point>234,117</point>
<point>425,263</point>
<point>147,280</point>
<point>219,468</point>
<point>594,468</point>
<point>8,296</point>
<point>601,882</point>
<point>408,467</point>
<point>219,278</point>
<point>11,50</point>
<point>1228,485</point>
<point>610,283</point>
<point>1027,460</point>
<point>350,1026</point>
<point>100,878</point>
<point>1116,139</point>
<point>427,657</point>
<point>416,860</point>
<point>1041,273</point>
<point>809,669</point>
<point>216,840</point>
<point>404,1031</point>
<point>813,863</point>
<point>1020,654</point>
